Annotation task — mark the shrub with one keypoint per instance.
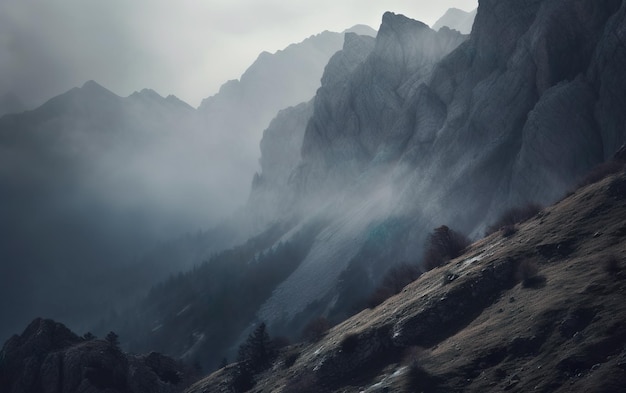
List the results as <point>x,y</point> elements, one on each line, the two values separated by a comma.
<point>600,172</point>
<point>528,274</point>
<point>316,329</point>
<point>443,244</point>
<point>290,359</point>
<point>612,265</point>
<point>396,278</point>
<point>512,216</point>
<point>417,379</point>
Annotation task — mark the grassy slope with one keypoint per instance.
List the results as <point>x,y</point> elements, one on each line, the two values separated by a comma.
<point>486,330</point>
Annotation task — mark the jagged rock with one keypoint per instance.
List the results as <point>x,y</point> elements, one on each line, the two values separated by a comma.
<point>48,358</point>
<point>456,19</point>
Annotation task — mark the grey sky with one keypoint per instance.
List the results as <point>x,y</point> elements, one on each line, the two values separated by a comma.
<point>184,47</point>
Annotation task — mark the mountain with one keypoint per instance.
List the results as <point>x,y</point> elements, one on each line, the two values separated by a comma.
<point>539,309</point>
<point>78,177</point>
<point>236,116</point>
<point>428,129</point>
<point>481,128</point>
<point>456,19</point>
<point>102,196</point>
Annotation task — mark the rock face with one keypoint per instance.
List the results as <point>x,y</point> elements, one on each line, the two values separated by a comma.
<point>456,19</point>
<point>515,114</point>
<point>238,114</point>
<point>282,141</point>
<point>48,358</point>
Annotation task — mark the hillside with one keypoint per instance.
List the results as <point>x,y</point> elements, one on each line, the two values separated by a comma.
<point>542,309</point>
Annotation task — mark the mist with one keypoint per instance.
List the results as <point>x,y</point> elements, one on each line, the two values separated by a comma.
<point>108,188</point>
<point>188,50</point>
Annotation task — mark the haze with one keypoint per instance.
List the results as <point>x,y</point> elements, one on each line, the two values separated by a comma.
<point>187,48</point>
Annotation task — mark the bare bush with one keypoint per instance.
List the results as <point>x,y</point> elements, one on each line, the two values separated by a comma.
<point>512,216</point>
<point>528,274</point>
<point>396,278</point>
<point>612,265</point>
<point>600,172</point>
<point>443,244</point>
<point>316,329</point>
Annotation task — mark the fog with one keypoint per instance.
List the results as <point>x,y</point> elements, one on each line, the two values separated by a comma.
<point>188,49</point>
<point>108,188</point>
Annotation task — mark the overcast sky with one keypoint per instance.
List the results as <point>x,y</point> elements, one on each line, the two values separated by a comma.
<point>185,47</point>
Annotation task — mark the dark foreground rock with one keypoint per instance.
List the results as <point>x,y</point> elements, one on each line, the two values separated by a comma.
<point>48,358</point>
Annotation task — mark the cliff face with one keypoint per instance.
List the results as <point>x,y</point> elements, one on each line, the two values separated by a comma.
<point>355,115</point>
<point>516,113</point>
<point>489,120</point>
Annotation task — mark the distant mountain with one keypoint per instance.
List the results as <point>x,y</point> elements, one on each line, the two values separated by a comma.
<point>122,191</point>
<point>243,108</point>
<point>456,19</point>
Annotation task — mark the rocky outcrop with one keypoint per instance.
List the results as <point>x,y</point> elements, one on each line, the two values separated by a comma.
<point>48,358</point>
<point>354,116</point>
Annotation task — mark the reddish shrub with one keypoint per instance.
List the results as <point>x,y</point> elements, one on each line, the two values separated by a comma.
<point>443,244</point>
<point>316,329</point>
<point>514,216</point>
<point>396,278</point>
<point>600,172</point>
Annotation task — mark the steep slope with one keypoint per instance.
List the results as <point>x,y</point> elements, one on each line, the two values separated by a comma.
<point>517,113</point>
<point>456,19</point>
<point>347,149</point>
<point>540,310</point>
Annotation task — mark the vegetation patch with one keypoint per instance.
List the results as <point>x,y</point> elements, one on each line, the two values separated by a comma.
<point>509,218</point>
<point>443,245</point>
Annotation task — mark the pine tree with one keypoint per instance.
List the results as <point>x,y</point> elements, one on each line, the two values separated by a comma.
<point>255,355</point>
<point>257,352</point>
<point>113,339</point>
